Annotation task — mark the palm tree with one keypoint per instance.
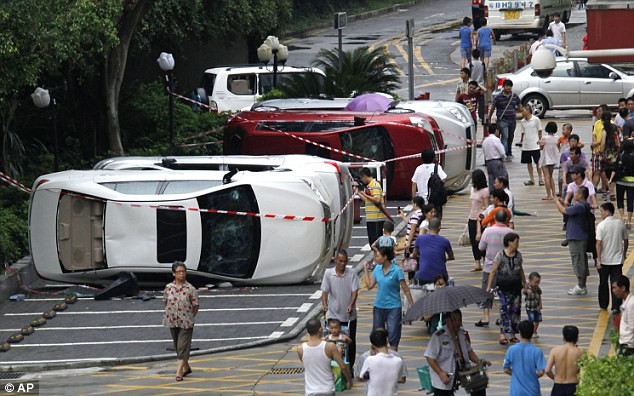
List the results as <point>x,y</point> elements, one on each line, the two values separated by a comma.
<point>362,70</point>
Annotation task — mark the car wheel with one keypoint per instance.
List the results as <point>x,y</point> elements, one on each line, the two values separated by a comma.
<point>565,17</point>
<point>538,103</point>
<point>497,35</point>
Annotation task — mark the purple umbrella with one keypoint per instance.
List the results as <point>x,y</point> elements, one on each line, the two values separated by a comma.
<point>369,102</point>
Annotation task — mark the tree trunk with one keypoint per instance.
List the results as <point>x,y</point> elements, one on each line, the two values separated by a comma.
<point>7,119</point>
<point>114,68</point>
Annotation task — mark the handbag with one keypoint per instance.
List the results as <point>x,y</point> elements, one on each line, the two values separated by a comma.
<point>474,379</point>
<point>464,239</point>
<point>410,264</point>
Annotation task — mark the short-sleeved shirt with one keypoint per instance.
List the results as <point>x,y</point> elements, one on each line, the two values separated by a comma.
<point>611,232</point>
<point>421,178</point>
<point>478,200</point>
<point>432,258</point>
<point>558,30</point>
<point>492,241</point>
<point>573,187</point>
<point>389,294</point>
<point>366,354</point>
<point>180,302</point>
<point>385,371</point>
<point>530,128</point>
<point>372,212</point>
<point>489,218</point>
<point>597,131</point>
<point>339,289</point>
<point>551,153</point>
<point>533,300</point>
<point>577,229</point>
<point>442,348</point>
<point>484,38</point>
<point>524,359</point>
<point>471,102</point>
<point>503,109</point>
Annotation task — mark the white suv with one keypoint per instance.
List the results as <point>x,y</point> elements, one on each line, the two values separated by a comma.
<point>232,88</point>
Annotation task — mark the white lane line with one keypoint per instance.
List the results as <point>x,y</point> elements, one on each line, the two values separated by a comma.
<point>156,311</point>
<point>166,341</point>
<point>276,334</point>
<point>305,307</point>
<point>357,257</point>
<point>289,322</point>
<point>144,326</point>
<point>316,295</point>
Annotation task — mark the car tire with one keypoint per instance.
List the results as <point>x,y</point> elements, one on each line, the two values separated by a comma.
<point>539,104</point>
<point>565,17</point>
<point>497,35</point>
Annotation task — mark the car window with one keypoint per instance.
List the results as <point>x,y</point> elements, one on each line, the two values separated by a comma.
<point>371,142</point>
<point>592,70</point>
<point>171,235</point>
<point>241,84</point>
<point>209,79</point>
<point>134,188</point>
<point>303,126</point>
<point>562,69</point>
<point>187,186</point>
<point>230,243</point>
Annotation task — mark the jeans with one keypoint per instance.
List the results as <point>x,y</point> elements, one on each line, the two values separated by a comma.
<point>507,133</point>
<point>495,168</point>
<point>375,230</point>
<point>390,320</point>
<point>605,272</point>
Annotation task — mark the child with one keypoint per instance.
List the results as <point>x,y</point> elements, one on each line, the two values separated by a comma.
<point>335,335</point>
<point>386,239</point>
<point>533,295</point>
<point>549,159</point>
<point>478,74</point>
<point>466,41</point>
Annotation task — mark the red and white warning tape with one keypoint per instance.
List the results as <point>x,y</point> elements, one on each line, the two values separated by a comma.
<point>216,211</point>
<point>8,179</point>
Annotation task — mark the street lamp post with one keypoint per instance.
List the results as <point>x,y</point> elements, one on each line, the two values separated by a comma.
<point>271,48</point>
<point>42,99</point>
<point>166,63</point>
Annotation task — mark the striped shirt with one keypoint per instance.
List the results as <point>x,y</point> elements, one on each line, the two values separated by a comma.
<point>372,212</point>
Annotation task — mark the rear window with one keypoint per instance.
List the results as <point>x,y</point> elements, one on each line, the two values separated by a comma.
<point>171,242</point>
<point>230,243</point>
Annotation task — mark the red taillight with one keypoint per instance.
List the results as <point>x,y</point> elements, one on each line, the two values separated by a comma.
<point>476,2</point>
<point>537,10</point>
<point>486,11</point>
<point>501,82</point>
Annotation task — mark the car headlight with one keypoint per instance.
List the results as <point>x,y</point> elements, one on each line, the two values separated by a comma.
<point>421,122</point>
<point>213,106</point>
<point>456,113</point>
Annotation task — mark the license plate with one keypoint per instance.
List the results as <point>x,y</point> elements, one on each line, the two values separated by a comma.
<point>511,15</point>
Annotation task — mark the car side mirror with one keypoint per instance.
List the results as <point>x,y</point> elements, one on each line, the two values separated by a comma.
<point>613,76</point>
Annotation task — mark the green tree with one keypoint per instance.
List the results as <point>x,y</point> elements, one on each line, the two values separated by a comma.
<point>362,70</point>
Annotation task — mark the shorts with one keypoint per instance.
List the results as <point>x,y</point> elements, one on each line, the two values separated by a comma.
<point>579,258</point>
<point>465,53</point>
<point>564,390</point>
<point>485,52</point>
<point>527,156</point>
<point>534,316</point>
<point>596,163</point>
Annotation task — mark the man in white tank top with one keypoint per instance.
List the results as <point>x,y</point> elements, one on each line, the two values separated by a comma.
<point>316,355</point>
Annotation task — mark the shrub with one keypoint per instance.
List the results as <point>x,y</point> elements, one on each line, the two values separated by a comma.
<point>14,243</point>
<point>606,375</point>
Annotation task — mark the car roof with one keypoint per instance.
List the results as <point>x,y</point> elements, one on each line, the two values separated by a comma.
<point>238,69</point>
<point>328,115</point>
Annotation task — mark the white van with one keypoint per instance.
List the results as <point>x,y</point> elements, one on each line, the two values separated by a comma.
<point>232,88</point>
<point>512,17</point>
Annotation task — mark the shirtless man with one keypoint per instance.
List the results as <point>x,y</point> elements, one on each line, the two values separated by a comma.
<point>564,358</point>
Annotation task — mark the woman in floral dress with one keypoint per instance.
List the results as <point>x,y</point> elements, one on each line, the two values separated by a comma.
<point>180,299</point>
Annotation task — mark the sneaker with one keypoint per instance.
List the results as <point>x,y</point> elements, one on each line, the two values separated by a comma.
<point>577,291</point>
<point>564,242</point>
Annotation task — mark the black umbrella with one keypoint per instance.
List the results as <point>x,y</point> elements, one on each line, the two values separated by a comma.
<point>446,299</point>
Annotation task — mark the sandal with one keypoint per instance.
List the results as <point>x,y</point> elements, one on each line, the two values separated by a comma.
<point>628,226</point>
<point>481,323</point>
<point>529,183</point>
<point>541,183</point>
<point>179,378</point>
<point>187,372</point>
<point>514,340</point>
<point>503,341</point>
<point>547,199</point>
<point>476,269</point>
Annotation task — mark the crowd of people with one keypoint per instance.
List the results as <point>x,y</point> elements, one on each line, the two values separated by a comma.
<point>495,247</point>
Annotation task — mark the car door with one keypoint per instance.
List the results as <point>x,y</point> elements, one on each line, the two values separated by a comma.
<point>596,85</point>
<point>562,86</point>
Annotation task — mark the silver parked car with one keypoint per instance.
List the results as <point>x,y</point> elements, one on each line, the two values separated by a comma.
<point>574,83</point>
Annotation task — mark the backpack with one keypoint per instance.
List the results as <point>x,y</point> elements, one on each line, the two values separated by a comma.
<point>436,192</point>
